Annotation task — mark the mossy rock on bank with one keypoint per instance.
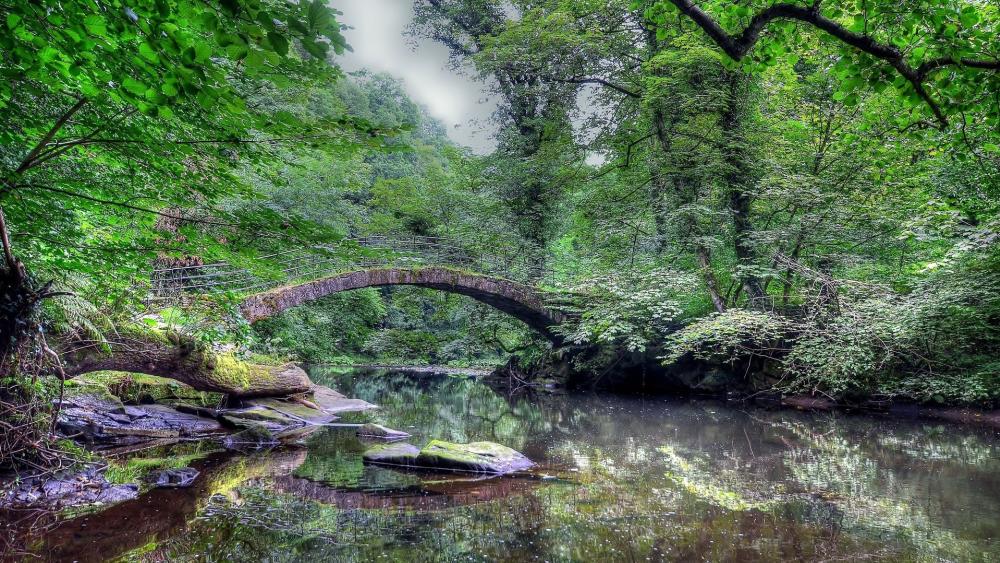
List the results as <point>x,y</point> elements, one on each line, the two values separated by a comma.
<point>392,454</point>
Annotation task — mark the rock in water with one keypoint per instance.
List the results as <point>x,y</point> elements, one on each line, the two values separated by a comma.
<point>175,478</point>
<point>478,457</point>
<point>392,454</point>
<point>377,431</point>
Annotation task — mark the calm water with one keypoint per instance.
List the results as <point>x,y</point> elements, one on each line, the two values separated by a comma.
<point>622,479</point>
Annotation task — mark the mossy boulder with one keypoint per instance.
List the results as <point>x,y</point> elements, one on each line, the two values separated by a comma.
<point>477,457</point>
<point>91,395</point>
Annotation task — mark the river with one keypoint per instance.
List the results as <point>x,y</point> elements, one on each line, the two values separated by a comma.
<point>620,479</point>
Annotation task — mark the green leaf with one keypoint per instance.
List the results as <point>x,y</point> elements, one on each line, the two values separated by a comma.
<point>147,52</point>
<point>13,20</point>
<point>95,25</point>
<point>254,60</point>
<point>202,51</point>
<point>134,86</point>
<point>278,43</point>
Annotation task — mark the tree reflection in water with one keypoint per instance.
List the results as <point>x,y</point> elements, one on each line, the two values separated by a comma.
<point>633,479</point>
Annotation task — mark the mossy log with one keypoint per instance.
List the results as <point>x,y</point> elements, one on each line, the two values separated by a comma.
<point>170,355</point>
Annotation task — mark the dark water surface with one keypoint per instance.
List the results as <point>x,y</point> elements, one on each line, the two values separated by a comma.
<point>621,479</point>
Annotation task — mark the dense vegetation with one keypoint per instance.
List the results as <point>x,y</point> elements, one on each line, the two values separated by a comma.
<point>807,190</point>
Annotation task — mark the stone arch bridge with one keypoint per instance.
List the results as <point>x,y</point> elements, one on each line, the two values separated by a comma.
<point>506,281</point>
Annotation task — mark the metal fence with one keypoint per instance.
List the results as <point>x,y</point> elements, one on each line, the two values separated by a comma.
<point>300,265</point>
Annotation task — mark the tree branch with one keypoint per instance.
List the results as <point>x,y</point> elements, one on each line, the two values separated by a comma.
<point>738,45</point>
<point>28,161</point>
<point>126,205</point>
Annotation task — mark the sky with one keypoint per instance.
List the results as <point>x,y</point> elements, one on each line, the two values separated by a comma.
<point>381,45</point>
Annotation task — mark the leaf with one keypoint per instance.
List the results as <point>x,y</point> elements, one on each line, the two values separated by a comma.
<point>319,15</point>
<point>47,55</point>
<point>202,51</point>
<point>147,52</point>
<point>13,20</point>
<point>278,43</point>
<point>254,60</point>
<point>95,25</point>
<point>134,86</point>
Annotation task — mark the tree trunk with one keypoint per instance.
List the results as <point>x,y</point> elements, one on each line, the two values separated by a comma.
<point>739,178</point>
<point>711,282</point>
<point>181,358</point>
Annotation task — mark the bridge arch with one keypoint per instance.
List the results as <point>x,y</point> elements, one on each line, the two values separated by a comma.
<point>516,299</point>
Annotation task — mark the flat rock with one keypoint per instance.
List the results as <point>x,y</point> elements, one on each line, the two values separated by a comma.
<point>146,421</point>
<point>477,457</point>
<point>379,432</point>
<point>392,454</point>
<point>333,402</point>
<point>290,410</point>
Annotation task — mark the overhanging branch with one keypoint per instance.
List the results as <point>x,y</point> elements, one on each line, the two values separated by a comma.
<point>738,45</point>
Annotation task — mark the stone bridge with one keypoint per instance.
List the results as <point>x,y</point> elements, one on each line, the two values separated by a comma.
<point>506,280</point>
<point>515,299</point>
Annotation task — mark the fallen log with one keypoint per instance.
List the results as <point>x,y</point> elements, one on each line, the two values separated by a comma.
<point>179,357</point>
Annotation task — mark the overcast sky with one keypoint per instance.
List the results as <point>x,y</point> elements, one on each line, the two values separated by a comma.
<point>380,44</point>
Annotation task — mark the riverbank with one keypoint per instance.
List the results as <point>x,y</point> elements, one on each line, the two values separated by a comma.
<point>116,416</point>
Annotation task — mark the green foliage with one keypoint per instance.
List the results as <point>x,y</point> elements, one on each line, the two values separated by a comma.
<point>632,310</point>
<point>727,337</point>
<point>938,342</point>
<point>153,55</point>
<point>914,54</point>
<point>326,330</point>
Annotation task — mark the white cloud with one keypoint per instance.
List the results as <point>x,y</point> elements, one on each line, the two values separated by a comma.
<point>380,45</point>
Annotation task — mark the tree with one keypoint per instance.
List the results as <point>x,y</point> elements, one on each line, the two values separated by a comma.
<point>942,55</point>
<point>129,108</point>
<point>533,114</point>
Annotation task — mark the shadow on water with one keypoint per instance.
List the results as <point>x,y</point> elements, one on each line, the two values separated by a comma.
<point>639,479</point>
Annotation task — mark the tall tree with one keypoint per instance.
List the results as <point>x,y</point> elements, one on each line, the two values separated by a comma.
<point>533,112</point>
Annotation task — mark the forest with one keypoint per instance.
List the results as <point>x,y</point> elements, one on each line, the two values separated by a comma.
<point>793,198</point>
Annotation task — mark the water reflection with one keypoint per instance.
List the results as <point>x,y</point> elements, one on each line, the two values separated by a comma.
<point>634,480</point>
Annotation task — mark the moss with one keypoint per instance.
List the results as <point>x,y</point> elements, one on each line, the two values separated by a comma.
<point>458,453</point>
<point>267,360</point>
<point>261,415</point>
<point>139,331</point>
<point>229,372</point>
<point>135,469</point>
<point>92,392</point>
<point>137,388</point>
